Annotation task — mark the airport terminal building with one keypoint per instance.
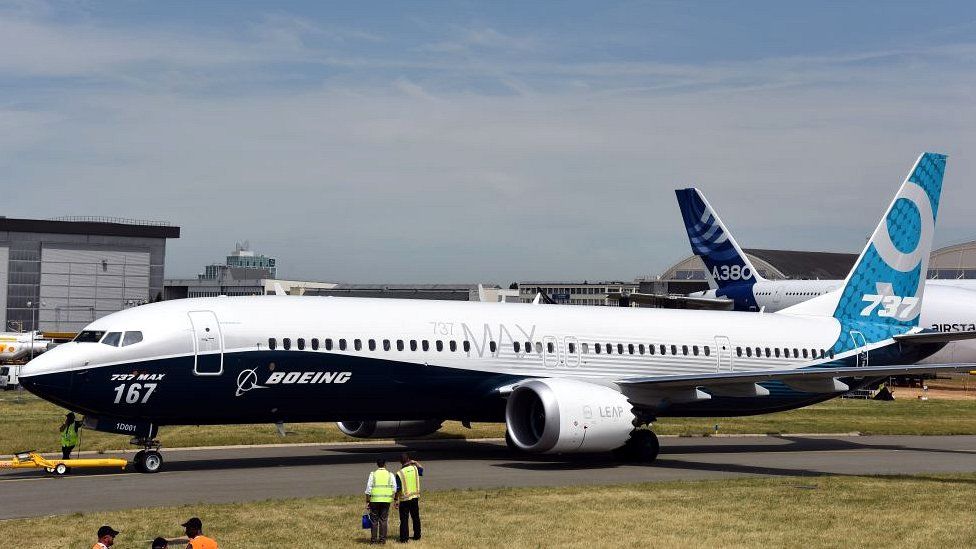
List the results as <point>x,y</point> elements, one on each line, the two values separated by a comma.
<point>59,275</point>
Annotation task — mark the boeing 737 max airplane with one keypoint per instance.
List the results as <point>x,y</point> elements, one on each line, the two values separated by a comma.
<point>563,379</point>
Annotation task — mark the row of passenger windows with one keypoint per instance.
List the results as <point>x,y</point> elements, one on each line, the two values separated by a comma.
<point>791,293</point>
<point>549,347</point>
<point>775,352</point>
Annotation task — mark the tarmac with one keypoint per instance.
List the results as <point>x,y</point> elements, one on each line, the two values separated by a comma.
<point>240,474</point>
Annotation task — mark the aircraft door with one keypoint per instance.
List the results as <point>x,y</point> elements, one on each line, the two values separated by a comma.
<point>723,354</point>
<point>859,342</point>
<point>208,344</point>
<point>572,352</point>
<point>777,294</point>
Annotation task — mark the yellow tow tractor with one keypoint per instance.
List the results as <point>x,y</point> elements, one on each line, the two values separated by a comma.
<point>33,460</point>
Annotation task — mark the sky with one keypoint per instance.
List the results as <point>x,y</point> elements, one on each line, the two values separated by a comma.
<point>483,141</point>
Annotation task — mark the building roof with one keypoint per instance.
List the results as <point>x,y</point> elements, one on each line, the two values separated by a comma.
<point>807,265</point>
<point>91,225</point>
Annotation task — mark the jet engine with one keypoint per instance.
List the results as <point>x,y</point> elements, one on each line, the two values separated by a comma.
<point>389,429</point>
<point>564,416</point>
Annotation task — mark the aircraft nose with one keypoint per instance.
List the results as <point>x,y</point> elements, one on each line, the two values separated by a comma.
<point>46,377</point>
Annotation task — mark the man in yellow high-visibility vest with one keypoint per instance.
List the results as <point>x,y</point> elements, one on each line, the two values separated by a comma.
<point>380,488</point>
<point>69,435</point>
<point>408,495</point>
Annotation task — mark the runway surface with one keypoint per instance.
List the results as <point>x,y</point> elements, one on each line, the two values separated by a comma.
<point>236,475</point>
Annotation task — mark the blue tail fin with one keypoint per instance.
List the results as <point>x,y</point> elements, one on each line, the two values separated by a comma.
<point>886,284</point>
<point>713,243</point>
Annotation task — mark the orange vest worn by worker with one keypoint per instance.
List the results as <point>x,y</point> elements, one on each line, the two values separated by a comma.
<point>202,542</point>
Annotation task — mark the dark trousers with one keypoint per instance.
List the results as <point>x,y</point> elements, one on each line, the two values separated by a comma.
<point>379,515</point>
<point>66,452</point>
<point>410,508</point>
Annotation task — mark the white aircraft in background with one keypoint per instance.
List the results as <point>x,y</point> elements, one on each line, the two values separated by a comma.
<point>563,379</point>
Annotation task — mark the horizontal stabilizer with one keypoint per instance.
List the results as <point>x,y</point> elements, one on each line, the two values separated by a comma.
<point>934,337</point>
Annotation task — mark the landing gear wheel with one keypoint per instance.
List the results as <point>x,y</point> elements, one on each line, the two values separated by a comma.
<point>138,459</point>
<point>152,462</point>
<point>49,469</point>
<point>642,447</point>
<point>61,469</point>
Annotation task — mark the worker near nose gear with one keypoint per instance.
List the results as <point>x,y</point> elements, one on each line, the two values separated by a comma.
<point>408,496</point>
<point>69,435</point>
<point>380,488</point>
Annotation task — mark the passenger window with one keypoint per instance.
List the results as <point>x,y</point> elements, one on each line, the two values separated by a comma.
<point>640,348</point>
<point>358,344</point>
<point>748,351</point>
<point>596,348</point>
<point>112,338</point>
<point>796,353</point>
<point>572,348</point>
<point>630,348</point>
<point>439,345</point>
<point>609,348</point>
<point>272,343</point>
<point>550,348</point>
<point>708,350</point>
<point>767,352</point>
<point>453,346</point>
<point>286,343</point>
<point>424,345</point>
<point>467,346</point>
<point>492,346</point>
<point>516,346</point>
<point>399,345</point>
<point>538,347</point>
<point>684,350</point>
<point>620,348</point>
<point>342,344</point>
<point>372,345</point>
<point>386,344</point>
<point>413,344</point>
<point>650,349</point>
<point>131,338</point>
<point>674,349</point>
<point>776,352</point>
<point>300,342</point>
<point>585,347</point>
<point>758,352</point>
<point>694,350</point>
<point>738,351</point>
<point>663,349</point>
<point>804,353</point>
<point>315,344</point>
<point>328,344</point>
<point>830,353</point>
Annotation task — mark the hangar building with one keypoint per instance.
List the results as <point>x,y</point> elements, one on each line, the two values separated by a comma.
<point>59,275</point>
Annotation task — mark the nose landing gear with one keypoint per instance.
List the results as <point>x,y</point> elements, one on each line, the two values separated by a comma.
<point>149,459</point>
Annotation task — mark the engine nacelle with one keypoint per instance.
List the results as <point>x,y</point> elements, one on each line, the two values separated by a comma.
<point>389,429</point>
<point>564,415</point>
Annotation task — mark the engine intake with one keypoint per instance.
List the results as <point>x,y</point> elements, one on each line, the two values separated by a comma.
<point>389,429</point>
<point>564,416</point>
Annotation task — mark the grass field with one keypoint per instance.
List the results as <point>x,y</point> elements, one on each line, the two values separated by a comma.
<point>916,511</point>
<point>27,423</point>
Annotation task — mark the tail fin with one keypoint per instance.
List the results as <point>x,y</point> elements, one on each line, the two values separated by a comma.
<point>886,284</point>
<point>713,243</point>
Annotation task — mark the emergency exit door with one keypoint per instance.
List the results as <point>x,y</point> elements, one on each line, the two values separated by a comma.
<point>208,345</point>
<point>723,354</point>
<point>857,338</point>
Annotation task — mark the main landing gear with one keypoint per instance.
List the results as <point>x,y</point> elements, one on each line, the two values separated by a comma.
<point>642,447</point>
<point>149,459</point>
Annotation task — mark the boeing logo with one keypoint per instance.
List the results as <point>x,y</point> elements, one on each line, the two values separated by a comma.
<point>248,379</point>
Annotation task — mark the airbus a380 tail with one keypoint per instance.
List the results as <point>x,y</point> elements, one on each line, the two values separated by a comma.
<point>563,379</point>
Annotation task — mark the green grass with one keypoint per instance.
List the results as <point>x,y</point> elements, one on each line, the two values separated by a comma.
<point>909,511</point>
<point>29,423</point>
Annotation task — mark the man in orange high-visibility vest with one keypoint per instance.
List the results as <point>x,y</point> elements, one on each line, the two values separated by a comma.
<point>408,496</point>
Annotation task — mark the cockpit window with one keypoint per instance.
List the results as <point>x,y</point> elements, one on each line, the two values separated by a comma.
<point>112,338</point>
<point>131,338</point>
<point>89,336</point>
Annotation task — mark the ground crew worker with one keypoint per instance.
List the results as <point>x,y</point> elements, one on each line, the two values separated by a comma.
<point>106,537</point>
<point>194,532</point>
<point>69,435</point>
<point>408,495</point>
<point>380,488</point>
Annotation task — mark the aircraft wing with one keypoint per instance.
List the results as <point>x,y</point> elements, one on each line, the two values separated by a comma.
<point>800,374</point>
<point>920,338</point>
